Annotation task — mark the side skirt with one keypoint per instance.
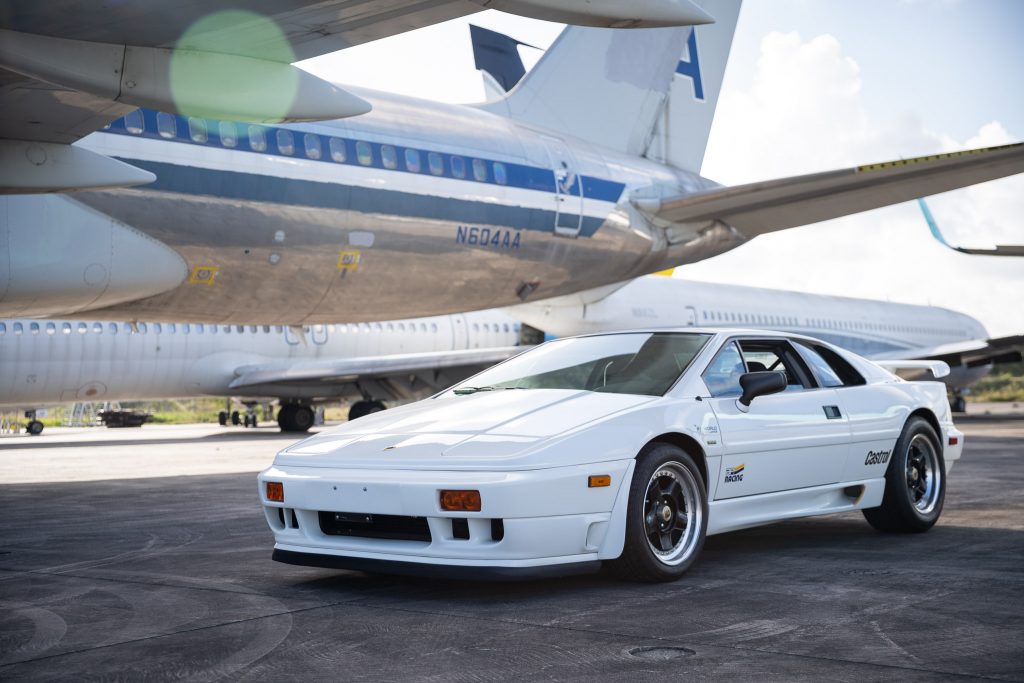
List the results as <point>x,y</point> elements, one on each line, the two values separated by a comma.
<point>765,508</point>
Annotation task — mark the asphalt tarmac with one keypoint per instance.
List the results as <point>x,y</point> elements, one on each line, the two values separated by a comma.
<point>112,569</point>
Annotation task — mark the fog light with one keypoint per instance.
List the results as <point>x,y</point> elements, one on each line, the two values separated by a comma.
<point>599,480</point>
<point>275,491</point>
<point>460,501</point>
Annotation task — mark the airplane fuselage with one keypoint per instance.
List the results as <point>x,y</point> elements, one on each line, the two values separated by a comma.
<point>417,208</point>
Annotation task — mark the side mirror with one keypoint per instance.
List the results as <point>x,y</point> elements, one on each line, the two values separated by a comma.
<point>756,384</point>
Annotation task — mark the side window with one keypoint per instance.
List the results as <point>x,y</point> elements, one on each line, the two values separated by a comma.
<point>436,163</point>
<point>777,356</point>
<point>480,170</point>
<point>312,144</point>
<point>166,124</point>
<point>824,372</point>
<point>337,146</point>
<point>389,157</point>
<point>257,139</point>
<point>197,130</point>
<point>500,174</point>
<point>458,166</point>
<point>723,375</point>
<point>846,372</point>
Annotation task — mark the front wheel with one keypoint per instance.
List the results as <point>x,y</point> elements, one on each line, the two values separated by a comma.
<point>666,516</point>
<point>915,482</point>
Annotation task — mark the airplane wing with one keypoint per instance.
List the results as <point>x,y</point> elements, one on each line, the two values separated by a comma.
<point>1000,249</point>
<point>763,207</point>
<point>393,373</point>
<point>67,68</point>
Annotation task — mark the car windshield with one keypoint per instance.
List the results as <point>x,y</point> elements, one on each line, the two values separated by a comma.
<point>645,363</point>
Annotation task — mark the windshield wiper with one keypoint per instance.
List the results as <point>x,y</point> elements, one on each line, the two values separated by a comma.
<point>463,391</point>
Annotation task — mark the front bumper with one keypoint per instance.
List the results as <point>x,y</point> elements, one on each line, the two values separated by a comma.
<point>528,520</point>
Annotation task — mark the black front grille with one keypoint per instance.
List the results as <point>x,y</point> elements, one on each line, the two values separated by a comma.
<point>361,525</point>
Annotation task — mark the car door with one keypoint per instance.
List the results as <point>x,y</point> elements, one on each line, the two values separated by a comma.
<point>793,439</point>
<point>876,413</point>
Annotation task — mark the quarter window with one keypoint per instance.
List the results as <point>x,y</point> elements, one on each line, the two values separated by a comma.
<point>166,124</point>
<point>364,152</point>
<point>480,170</point>
<point>827,377</point>
<point>389,157</point>
<point>337,147</point>
<point>285,142</point>
<point>228,134</point>
<point>257,139</point>
<point>197,130</point>
<point>312,144</point>
<point>436,163</point>
<point>412,160</point>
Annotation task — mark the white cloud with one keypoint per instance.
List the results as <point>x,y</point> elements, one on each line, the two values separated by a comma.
<point>805,112</point>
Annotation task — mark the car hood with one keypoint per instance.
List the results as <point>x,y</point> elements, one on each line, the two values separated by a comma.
<point>507,429</point>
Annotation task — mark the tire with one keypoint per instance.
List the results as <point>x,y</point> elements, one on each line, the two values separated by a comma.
<point>293,417</point>
<point>362,408</point>
<point>915,482</point>
<point>236,419</point>
<point>222,418</point>
<point>284,416</point>
<point>34,427</point>
<point>667,506</point>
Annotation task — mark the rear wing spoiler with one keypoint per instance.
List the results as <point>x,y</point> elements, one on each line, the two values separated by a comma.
<point>938,368</point>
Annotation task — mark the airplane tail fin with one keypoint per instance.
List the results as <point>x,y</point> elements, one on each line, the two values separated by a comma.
<point>625,89</point>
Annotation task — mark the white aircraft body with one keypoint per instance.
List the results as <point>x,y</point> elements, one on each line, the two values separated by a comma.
<point>878,330</point>
<point>61,361</point>
<point>194,208</point>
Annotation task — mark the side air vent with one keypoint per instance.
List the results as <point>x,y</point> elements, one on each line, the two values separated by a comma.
<point>460,529</point>
<point>497,530</point>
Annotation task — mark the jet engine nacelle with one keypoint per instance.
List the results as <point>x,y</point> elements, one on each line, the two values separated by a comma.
<point>58,257</point>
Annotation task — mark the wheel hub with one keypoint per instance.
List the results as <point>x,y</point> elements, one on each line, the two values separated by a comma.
<point>666,513</point>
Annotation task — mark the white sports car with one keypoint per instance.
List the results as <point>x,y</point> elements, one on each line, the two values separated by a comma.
<point>627,449</point>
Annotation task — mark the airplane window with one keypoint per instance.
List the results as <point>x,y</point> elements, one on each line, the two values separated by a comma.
<point>197,130</point>
<point>126,328</point>
<point>51,329</point>
<point>505,327</point>
<point>266,329</point>
<point>436,163</point>
<point>480,170</point>
<point>458,166</point>
<point>97,328</point>
<point>401,327</point>
<point>157,328</point>
<point>18,329</point>
<point>433,327</point>
<point>199,328</point>
<point>377,327</point>
<point>228,134</point>
<point>226,329</point>
<point>133,122</point>
<point>391,328</point>
<point>172,328</point>
<point>3,328</point>
<point>337,147</point>
<point>285,142</point>
<point>364,152</point>
<point>389,157</point>
<point>185,328</point>
<point>279,329</point>
<point>66,328</point>
<point>257,139</point>
<point>423,327</point>
<point>500,174</point>
<point>240,329</point>
<point>476,327</point>
<point>34,327</point>
<point>412,160</point>
<point>312,143</point>
<point>166,124</point>
<point>142,328</point>
<point>253,329</point>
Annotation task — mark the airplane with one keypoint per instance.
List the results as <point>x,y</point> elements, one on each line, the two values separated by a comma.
<point>888,333</point>
<point>61,361</point>
<point>584,174</point>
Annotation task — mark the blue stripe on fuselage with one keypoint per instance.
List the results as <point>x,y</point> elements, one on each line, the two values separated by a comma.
<point>192,180</point>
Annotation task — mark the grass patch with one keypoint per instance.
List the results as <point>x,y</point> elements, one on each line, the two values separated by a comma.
<point>1004,383</point>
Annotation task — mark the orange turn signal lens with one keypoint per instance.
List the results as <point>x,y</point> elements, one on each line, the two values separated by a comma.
<point>460,501</point>
<point>599,480</point>
<point>275,491</point>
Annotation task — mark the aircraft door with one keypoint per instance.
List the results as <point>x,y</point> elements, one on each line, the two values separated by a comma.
<point>568,188</point>
<point>691,316</point>
<point>319,334</point>
<point>460,332</point>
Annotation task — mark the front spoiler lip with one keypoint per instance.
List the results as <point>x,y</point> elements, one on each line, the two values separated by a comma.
<point>437,571</point>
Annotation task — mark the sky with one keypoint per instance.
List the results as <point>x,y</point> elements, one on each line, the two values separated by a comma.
<point>815,85</point>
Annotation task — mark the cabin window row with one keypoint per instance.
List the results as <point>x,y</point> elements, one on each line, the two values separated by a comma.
<point>319,147</point>
<point>67,328</point>
<point>822,323</point>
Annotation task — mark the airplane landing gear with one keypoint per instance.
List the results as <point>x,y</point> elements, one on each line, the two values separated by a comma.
<point>34,427</point>
<point>295,417</point>
<point>361,408</point>
<point>958,404</point>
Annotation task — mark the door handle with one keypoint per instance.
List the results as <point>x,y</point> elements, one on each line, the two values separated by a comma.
<point>832,412</point>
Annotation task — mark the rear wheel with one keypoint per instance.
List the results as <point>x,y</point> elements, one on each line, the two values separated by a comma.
<point>915,482</point>
<point>666,516</point>
<point>34,427</point>
<point>294,417</point>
